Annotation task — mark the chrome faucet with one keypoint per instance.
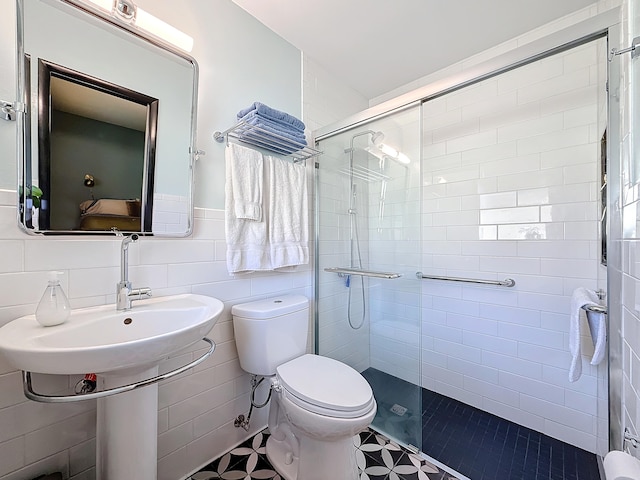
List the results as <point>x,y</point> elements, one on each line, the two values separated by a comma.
<point>124,293</point>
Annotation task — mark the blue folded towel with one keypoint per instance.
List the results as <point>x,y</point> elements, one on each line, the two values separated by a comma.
<point>284,130</point>
<point>272,114</point>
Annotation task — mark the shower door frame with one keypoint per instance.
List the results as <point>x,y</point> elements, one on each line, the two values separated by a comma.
<point>603,25</point>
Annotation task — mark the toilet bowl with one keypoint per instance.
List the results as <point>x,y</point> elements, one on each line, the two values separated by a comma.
<point>318,404</point>
<point>621,466</point>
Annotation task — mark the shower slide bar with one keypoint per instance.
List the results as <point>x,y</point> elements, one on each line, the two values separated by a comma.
<point>364,273</point>
<point>246,133</point>
<point>507,282</point>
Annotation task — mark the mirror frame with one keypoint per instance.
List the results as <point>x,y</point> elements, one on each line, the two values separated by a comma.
<point>24,126</point>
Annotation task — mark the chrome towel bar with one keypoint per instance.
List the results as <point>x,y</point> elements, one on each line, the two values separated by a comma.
<point>507,282</point>
<point>361,272</point>
<point>246,133</point>
<point>39,397</point>
<point>595,308</point>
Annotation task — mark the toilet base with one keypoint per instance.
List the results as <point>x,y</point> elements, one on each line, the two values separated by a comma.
<point>318,460</point>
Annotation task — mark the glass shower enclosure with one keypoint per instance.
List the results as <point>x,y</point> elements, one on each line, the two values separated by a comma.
<point>368,231</point>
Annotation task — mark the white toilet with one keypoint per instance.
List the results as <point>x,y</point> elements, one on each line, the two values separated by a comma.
<point>318,404</point>
<point>621,466</point>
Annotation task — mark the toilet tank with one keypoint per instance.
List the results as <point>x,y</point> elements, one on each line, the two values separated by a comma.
<point>270,332</point>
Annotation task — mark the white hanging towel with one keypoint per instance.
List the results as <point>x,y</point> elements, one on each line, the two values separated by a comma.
<point>245,222</point>
<point>579,298</point>
<point>600,339</point>
<point>288,214</point>
<point>246,171</point>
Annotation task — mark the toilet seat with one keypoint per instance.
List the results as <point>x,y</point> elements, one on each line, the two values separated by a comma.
<point>325,386</point>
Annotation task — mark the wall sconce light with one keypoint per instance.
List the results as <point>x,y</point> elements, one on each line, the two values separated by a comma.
<point>89,181</point>
<point>382,151</point>
<point>128,12</point>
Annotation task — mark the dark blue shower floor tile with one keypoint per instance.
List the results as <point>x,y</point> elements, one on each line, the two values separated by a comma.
<point>483,446</point>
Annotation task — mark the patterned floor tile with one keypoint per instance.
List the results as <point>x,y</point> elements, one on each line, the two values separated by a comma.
<point>248,461</point>
<point>378,459</point>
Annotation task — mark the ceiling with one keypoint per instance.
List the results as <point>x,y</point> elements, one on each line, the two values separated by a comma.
<point>88,102</point>
<point>376,46</point>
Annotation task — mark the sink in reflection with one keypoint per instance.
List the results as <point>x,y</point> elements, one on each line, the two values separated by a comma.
<point>101,339</point>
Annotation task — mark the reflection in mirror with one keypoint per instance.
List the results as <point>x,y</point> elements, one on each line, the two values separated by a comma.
<point>89,125</point>
<point>107,136</point>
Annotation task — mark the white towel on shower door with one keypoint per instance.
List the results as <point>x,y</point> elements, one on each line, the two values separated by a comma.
<point>600,339</point>
<point>579,298</point>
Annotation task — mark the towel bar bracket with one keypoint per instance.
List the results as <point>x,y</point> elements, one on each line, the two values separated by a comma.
<point>634,440</point>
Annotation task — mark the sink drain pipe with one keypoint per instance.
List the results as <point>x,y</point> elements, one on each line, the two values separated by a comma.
<point>240,420</point>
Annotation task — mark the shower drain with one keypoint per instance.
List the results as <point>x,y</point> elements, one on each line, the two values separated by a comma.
<point>398,410</point>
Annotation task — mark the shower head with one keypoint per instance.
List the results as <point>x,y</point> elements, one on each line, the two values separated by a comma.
<point>377,137</point>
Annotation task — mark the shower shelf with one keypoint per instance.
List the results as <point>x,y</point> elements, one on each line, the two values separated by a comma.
<point>245,133</point>
<point>361,272</point>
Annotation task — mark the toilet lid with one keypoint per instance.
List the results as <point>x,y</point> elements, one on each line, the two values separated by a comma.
<point>326,384</point>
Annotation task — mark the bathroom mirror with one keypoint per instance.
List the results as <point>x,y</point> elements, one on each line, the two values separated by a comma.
<point>107,137</point>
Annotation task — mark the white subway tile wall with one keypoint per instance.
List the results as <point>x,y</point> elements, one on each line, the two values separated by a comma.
<point>170,213</point>
<point>534,144</point>
<point>626,368</point>
<point>196,410</point>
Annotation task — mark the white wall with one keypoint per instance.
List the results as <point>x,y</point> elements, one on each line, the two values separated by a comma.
<point>240,62</point>
<point>325,100</point>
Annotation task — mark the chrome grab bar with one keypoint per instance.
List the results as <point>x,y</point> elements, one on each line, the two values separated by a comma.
<point>595,308</point>
<point>507,282</point>
<point>38,397</point>
<point>361,272</point>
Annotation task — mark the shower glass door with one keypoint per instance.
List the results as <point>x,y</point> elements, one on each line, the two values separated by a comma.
<point>369,228</point>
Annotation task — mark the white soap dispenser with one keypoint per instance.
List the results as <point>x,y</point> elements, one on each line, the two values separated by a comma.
<point>54,307</point>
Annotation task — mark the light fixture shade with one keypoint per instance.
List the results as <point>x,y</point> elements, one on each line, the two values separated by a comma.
<point>387,150</point>
<point>402,158</point>
<point>106,5</point>
<point>162,30</point>
<point>382,150</point>
<point>375,152</point>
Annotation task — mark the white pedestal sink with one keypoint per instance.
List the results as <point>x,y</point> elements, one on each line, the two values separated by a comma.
<point>124,349</point>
